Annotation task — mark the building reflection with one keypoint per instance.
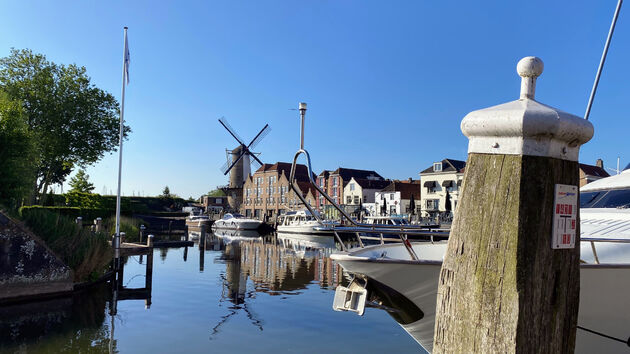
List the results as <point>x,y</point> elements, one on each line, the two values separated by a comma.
<point>276,265</point>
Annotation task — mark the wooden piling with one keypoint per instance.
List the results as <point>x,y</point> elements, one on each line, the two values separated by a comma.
<point>202,247</point>
<point>141,232</point>
<point>502,288</point>
<point>98,224</point>
<point>148,283</point>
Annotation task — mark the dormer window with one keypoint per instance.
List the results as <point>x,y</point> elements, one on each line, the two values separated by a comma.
<point>437,167</point>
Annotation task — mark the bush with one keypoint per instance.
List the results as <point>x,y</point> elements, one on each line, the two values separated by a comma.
<point>130,226</point>
<point>87,253</point>
<point>88,215</point>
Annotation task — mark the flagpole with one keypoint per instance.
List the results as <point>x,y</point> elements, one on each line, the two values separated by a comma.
<point>120,136</point>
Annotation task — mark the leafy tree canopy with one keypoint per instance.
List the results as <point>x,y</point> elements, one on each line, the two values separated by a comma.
<point>17,152</point>
<point>80,182</point>
<point>216,193</point>
<point>72,121</point>
<point>166,193</point>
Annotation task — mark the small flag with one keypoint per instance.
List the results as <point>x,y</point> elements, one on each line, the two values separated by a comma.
<point>127,58</point>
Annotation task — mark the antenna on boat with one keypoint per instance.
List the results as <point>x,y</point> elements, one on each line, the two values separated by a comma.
<point>602,60</point>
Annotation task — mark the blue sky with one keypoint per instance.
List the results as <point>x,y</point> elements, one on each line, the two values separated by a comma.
<point>387,83</point>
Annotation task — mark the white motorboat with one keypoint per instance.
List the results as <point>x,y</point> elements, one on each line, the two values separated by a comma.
<point>604,272</point>
<point>605,215</point>
<point>303,222</point>
<point>236,222</point>
<point>386,220</point>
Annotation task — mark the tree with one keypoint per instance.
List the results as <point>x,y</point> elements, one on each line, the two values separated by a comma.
<point>17,152</point>
<point>80,182</point>
<point>166,193</point>
<point>217,193</point>
<point>72,121</point>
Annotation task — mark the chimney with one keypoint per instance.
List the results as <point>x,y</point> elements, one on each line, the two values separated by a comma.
<point>599,163</point>
<point>410,180</point>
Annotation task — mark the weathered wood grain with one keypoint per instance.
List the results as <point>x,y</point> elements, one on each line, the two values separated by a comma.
<point>502,288</point>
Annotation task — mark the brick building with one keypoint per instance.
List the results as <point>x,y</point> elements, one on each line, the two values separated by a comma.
<point>267,193</point>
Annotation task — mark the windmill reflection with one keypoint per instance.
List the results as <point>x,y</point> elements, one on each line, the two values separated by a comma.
<point>275,265</point>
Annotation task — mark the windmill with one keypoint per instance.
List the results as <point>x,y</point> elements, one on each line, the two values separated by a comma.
<point>240,161</point>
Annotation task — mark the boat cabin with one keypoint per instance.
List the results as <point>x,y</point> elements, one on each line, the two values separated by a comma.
<point>386,220</point>
<point>296,217</point>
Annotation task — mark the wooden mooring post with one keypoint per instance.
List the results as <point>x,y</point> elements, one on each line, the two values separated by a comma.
<point>202,247</point>
<point>510,278</point>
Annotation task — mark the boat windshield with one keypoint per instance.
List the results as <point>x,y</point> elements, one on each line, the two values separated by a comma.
<point>238,215</point>
<point>616,198</point>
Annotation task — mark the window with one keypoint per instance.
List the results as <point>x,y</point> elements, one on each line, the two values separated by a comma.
<point>351,186</point>
<point>348,200</point>
<point>437,167</point>
<point>335,191</point>
<point>433,204</point>
<point>335,181</point>
<point>356,199</point>
<point>391,196</point>
<point>365,198</point>
<point>219,201</point>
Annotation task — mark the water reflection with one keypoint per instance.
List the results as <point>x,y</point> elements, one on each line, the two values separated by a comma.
<point>75,322</point>
<point>249,278</point>
<point>276,265</point>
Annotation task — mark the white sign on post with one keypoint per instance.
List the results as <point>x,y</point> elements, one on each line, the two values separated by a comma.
<point>564,216</point>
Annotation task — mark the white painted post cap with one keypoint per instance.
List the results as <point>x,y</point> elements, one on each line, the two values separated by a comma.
<point>302,105</point>
<point>525,126</point>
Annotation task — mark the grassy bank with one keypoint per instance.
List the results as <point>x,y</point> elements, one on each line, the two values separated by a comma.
<point>87,253</point>
<point>130,226</point>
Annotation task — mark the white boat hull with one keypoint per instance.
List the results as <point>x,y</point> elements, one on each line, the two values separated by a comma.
<point>236,224</point>
<point>604,292</point>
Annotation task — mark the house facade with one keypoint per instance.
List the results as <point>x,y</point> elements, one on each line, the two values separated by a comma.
<point>334,183</point>
<point>361,191</point>
<point>214,205</point>
<point>441,185</point>
<point>395,198</point>
<point>267,193</point>
<point>590,173</point>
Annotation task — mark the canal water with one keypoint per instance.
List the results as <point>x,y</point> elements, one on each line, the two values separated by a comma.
<point>229,294</point>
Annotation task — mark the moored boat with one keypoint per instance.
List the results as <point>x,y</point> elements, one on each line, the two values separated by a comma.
<point>303,222</point>
<point>604,271</point>
<point>236,222</point>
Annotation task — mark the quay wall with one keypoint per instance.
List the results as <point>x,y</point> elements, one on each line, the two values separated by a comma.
<point>27,267</point>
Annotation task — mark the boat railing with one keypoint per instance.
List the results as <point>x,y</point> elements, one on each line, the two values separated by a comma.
<point>593,240</point>
<point>384,233</point>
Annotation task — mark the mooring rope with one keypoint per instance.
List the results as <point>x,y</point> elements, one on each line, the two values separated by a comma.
<point>627,342</point>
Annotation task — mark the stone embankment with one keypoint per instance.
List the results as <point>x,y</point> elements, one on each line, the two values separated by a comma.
<point>28,269</point>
